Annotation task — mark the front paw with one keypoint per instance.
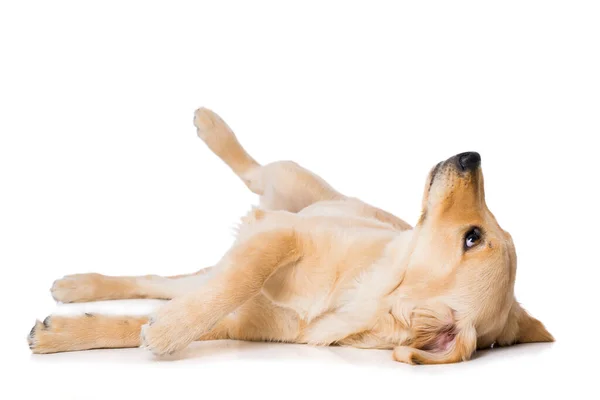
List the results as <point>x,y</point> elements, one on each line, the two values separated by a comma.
<point>165,335</point>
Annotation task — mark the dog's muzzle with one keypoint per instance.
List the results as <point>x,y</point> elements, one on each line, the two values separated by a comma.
<point>468,161</point>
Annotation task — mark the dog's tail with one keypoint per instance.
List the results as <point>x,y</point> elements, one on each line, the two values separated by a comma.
<point>219,137</point>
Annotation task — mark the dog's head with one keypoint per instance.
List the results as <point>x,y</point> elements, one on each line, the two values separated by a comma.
<point>461,272</point>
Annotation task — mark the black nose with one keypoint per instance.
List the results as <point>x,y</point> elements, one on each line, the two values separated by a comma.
<point>468,161</point>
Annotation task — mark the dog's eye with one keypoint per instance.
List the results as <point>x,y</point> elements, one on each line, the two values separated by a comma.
<point>472,238</point>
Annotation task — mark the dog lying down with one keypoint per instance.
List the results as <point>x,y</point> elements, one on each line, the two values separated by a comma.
<point>310,265</point>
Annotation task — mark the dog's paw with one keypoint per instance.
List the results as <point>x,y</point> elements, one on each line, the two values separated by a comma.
<point>206,122</point>
<point>160,339</point>
<point>171,329</point>
<point>46,337</point>
<point>76,288</point>
<point>32,338</point>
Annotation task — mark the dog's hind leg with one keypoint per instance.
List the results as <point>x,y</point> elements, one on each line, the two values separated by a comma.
<point>94,287</point>
<point>282,185</point>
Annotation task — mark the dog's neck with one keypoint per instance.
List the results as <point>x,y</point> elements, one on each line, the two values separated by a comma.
<point>405,295</point>
<point>396,257</point>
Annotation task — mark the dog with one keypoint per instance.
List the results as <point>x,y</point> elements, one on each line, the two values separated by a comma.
<point>311,265</point>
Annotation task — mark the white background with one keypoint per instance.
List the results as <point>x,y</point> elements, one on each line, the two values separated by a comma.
<point>101,170</point>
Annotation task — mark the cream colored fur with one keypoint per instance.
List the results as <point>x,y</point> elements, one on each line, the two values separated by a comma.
<point>311,265</point>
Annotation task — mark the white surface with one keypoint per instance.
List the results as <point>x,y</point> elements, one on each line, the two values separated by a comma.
<point>101,170</point>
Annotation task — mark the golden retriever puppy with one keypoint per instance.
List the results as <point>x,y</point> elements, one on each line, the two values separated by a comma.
<point>310,265</point>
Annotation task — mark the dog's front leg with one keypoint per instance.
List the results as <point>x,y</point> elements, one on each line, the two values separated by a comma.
<point>242,274</point>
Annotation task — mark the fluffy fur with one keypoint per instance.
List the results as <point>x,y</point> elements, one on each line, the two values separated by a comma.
<point>310,265</point>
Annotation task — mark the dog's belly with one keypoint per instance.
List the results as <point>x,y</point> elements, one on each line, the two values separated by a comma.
<point>356,211</point>
<point>343,259</point>
<point>352,211</point>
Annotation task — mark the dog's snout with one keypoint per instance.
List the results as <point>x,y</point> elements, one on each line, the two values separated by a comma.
<point>468,161</point>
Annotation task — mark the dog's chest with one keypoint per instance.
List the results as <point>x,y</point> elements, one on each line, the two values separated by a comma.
<point>350,279</point>
<point>302,288</point>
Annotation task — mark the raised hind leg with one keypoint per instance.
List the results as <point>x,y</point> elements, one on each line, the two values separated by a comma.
<point>282,185</point>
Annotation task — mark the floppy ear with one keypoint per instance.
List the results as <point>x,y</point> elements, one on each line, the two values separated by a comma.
<point>437,338</point>
<point>523,328</point>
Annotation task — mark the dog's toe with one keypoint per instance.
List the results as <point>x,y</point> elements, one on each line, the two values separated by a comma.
<point>32,337</point>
